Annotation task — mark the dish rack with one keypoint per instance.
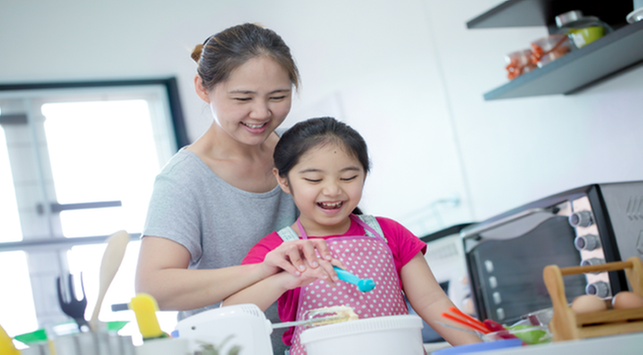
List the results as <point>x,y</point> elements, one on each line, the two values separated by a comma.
<point>567,325</point>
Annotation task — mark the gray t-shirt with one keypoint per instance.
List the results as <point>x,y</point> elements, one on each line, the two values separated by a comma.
<point>215,221</point>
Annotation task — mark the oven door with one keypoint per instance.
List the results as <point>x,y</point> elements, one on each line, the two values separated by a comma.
<point>506,258</point>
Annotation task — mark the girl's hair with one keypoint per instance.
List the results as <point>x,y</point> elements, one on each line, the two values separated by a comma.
<point>315,132</point>
<point>225,51</point>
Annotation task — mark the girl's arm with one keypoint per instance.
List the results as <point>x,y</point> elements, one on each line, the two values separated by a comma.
<point>267,291</point>
<point>429,300</point>
<point>163,272</point>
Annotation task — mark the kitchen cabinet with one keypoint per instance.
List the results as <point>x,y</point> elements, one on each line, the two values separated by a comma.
<point>608,56</point>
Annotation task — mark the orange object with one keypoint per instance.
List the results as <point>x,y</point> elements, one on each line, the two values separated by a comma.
<point>519,62</point>
<point>466,319</point>
<point>549,48</point>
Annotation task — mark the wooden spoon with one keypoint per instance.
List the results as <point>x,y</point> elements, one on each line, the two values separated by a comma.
<point>112,258</point>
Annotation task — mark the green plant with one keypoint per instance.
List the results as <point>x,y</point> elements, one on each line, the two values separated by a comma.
<point>211,349</point>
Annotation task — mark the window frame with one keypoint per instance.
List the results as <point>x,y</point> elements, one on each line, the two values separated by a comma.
<point>60,246</point>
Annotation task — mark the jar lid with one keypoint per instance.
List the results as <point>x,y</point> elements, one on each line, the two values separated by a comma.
<point>576,19</point>
<point>567,17</point>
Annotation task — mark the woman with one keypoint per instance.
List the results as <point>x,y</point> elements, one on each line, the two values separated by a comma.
<point>217,197</point>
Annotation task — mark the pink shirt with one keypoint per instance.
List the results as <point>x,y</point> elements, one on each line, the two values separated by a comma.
<point>404,246</point>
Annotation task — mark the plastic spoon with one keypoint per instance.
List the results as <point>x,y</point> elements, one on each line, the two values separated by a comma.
<point>112,258</point>
<point>363,285</point>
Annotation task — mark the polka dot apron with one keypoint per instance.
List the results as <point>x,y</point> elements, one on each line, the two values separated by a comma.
<point>366,256</point>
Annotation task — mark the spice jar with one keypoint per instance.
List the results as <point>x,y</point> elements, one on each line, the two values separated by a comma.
<point>582,30</point>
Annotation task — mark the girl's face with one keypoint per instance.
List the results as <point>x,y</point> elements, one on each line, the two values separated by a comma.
<point>253,101</point>
<point>326,185</point>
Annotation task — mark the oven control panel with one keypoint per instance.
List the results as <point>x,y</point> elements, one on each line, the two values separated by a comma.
<point>588,243</point>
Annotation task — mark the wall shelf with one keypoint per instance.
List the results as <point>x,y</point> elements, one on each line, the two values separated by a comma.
<point>579,69</point>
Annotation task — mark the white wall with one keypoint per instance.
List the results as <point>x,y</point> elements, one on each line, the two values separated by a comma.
<point>518,150</point>
<point>407,74</point>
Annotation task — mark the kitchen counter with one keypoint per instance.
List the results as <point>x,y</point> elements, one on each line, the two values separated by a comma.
<point>626,344</point>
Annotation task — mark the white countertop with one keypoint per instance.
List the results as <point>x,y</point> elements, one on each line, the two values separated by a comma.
<point>625,344</point>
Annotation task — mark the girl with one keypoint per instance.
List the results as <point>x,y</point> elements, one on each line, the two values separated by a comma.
<point>322,164</point>
<point>217,197</point>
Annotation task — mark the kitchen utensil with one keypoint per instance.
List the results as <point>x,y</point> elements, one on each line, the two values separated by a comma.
<point>474,327</point>
<point>75,307</point>
<point>112,258</point>
<point>322,316</point>
<point>364,285</point>
<point>466,320</point>
<point>6,344</point>
<point>567,325</point>
<point>399,334</point>
<point>145,307</point>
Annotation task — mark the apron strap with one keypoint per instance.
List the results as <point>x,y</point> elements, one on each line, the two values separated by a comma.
<point>368,222</point>
<point>288,234</point>
<point>372,227</point>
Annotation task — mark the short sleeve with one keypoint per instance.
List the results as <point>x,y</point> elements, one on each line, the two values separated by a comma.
<point>403,243</point>
<point>259,251</point>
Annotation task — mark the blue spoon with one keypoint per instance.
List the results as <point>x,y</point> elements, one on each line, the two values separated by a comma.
<point>363,285</point>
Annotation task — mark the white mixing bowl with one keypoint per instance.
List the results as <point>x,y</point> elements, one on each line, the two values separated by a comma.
<point>374,336</point>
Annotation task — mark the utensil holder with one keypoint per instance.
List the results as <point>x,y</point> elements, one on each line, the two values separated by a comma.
<point>567,325</point>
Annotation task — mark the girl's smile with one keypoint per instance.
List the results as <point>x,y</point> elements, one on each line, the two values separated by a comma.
<point>326,184</point>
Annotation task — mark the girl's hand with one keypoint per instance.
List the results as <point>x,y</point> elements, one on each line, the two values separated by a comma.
<point>296,256</point>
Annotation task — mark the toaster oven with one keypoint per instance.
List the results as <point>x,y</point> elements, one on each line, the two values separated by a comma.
<point>587,225</point>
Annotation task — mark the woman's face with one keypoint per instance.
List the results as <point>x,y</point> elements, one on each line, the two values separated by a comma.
<point>253,101</point>
<point>326,185</point>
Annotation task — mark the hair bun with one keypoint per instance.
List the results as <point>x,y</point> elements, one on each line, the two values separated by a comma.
<point>196,52</point>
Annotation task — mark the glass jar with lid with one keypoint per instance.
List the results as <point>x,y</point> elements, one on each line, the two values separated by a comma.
<point>581,29</point>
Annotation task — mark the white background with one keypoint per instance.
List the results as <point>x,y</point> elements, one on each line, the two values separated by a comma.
<point>407,74</point>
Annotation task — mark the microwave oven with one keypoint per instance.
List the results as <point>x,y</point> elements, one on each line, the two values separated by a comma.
<point>593,224</point>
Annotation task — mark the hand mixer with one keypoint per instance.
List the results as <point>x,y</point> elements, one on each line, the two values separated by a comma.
<point>248,326</point>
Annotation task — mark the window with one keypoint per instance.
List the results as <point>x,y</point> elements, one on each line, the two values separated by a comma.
<point>77,163</point>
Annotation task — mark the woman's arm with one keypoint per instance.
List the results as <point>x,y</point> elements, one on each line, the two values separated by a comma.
<point>429,300</point>
<point>267,291</point>
<point>163,272</point>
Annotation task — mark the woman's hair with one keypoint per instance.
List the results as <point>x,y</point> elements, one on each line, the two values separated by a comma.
<point>316,132</point>
<point>225,51</point>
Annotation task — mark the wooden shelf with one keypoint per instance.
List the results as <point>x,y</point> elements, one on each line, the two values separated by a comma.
<point>579,69</point>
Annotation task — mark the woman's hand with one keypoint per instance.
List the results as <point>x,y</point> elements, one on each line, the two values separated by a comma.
<point>297,256</point>
<point>322,272</point>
